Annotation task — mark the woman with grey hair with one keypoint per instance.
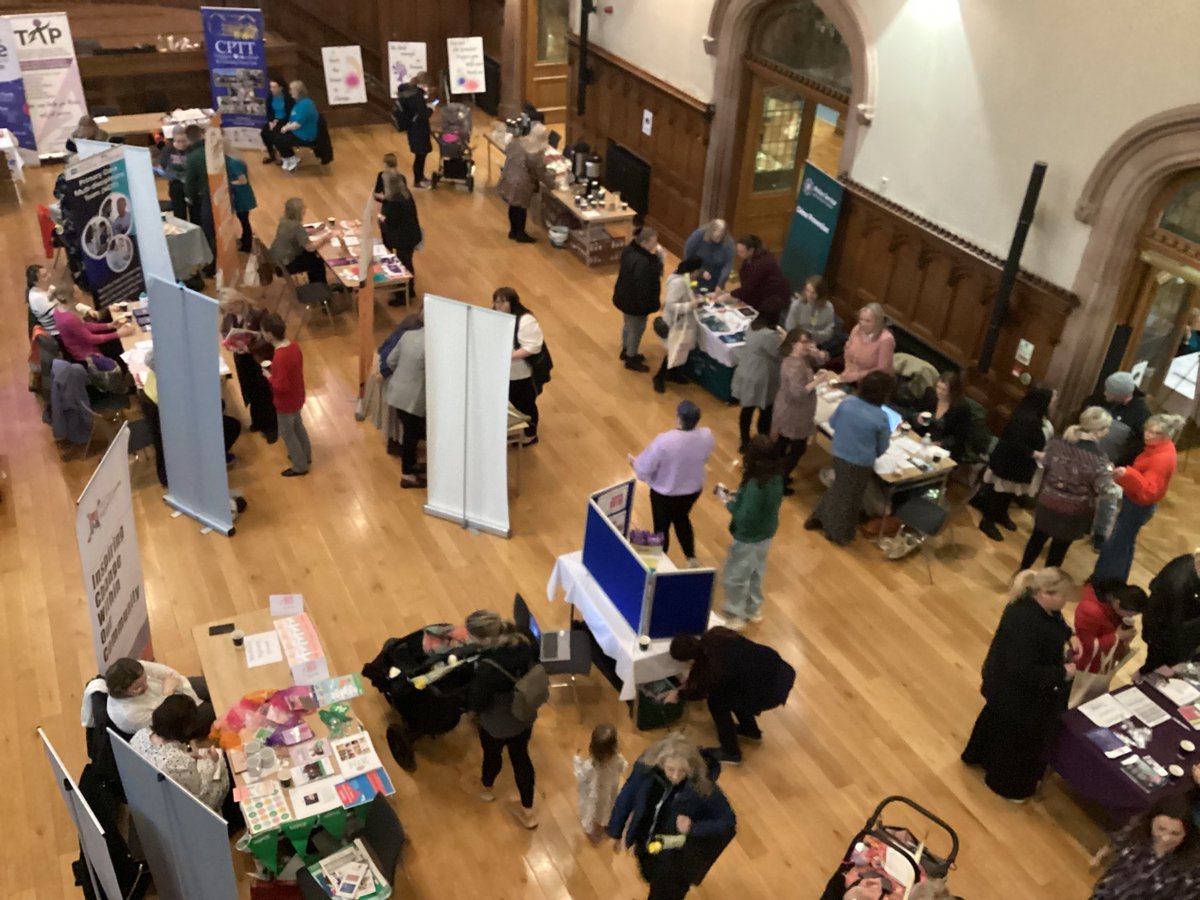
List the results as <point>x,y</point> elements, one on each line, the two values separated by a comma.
<point>1076,473</point>
<point>293,248</point>
<point>507,655</point>
<point>524,171</point>
<point>713,246</point>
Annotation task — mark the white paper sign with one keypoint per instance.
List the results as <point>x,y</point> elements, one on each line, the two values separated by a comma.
<point>50,71</point>
<point>344,82</point>
<point>405,59</point>
<point>466,65</point>
<point>262,649</point>
<point>647,122</point>
<point>286,605</point>
<point>112,565</point>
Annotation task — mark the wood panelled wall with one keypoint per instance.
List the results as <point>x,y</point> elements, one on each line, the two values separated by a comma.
<point>940,289</point>
<point>487,21</point>
<point>676,149</point>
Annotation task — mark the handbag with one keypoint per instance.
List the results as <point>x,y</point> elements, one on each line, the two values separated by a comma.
<point>661,328</point>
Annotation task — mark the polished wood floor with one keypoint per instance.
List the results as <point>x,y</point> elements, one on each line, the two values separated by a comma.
<point>887,664</point>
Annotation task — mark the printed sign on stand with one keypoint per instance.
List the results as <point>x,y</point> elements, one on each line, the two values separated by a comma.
<point>111,558</point>
<point>14,109</point>
<point>50,73</point>
<point>344,82</point>
<point>466,65</point>
<point>237,71</point>
<point>810,237</point>
<point>405,60</point>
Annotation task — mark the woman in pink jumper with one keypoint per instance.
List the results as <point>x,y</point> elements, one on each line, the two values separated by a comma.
<point>870,346</point>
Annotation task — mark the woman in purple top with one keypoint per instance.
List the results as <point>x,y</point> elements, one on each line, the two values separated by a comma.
<point>673,466</point>
<point>85,340</point>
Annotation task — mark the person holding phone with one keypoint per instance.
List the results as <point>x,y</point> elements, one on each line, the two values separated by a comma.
<point>413,100</point>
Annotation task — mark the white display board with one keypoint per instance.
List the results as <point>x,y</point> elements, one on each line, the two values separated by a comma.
<point>91,834</point>
<point>468,358</point>
<point>344,82</point>
<point>405,59</point>
<point>111,560</point>
<point>465,56</point>
<point>50,71</point>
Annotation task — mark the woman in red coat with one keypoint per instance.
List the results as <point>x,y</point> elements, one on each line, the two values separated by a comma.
<point>1144,482</point>
<point>763,284</point>
<point>1104,626</point>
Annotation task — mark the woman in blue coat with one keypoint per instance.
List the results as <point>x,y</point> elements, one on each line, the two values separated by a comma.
<point>673,816</point>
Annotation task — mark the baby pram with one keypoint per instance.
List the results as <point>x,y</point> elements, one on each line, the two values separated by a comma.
<point>427,687</point>
<point>454,147</point>
<point>894,855</point>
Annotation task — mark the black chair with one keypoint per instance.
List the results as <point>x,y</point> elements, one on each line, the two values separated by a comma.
<point>921,520</point>
<point>579,657</point>
<point>381,833</point>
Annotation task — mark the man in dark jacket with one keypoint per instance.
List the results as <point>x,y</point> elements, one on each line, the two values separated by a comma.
<point>739,679</point>
<point>1171,622</point>
<point>195,186</point>
<point>636,293</point>
<point>1128,407</point>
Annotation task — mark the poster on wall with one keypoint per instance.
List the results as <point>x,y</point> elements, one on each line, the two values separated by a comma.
<point>466,65</point>
<point>814,223</point>
<point>237,71</point>
<point>405,60</point>
<point>98,223</point>
<point>50,74</point>
<point>344,82</point>
<point>112,563</point>
<point>14,108</point>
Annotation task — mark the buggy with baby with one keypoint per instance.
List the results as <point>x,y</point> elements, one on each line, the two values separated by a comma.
<point>424,676</point>
<point>454,147</point>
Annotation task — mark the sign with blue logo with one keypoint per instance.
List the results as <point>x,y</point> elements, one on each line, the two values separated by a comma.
<point>809,240</point>
<point>237,71</point>
<point>14,109</point>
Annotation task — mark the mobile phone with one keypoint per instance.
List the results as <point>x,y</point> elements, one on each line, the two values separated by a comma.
<point>434,102</point>
<point>220,629</point>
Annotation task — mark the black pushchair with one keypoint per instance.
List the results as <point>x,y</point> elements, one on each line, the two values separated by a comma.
<point>894,855</point>
<point>455,163</point>
<point>427,689</point>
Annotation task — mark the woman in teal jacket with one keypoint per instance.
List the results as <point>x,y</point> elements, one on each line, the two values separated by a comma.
<point>755,509</point>
<point>241,195</point>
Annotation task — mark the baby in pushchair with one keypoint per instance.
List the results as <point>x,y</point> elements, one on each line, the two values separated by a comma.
<point>454,146</point>
<point>424,676</point>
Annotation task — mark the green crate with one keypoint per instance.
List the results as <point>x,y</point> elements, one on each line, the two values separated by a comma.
<point>711,375</point>
<point>652,712</point>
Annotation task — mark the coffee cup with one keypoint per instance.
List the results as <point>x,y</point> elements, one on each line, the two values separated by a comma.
<point>239,637</point>
<point>285,774</point>
<point>1176,771</point>
<point>1186,748</point>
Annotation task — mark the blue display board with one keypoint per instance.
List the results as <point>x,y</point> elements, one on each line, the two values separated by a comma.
<point>680,603</point>
<point>237,71</point>
<point>810,237</point>
<point>615,566</point>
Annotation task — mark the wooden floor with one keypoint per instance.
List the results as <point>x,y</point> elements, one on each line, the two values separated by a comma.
<point>888,665</point>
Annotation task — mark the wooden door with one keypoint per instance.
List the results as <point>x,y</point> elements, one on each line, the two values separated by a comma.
<point>546,69</point>
<point>1167,292</point>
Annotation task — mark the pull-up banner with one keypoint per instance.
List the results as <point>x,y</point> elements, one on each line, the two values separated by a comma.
<point>14,109</point>
<point>237,70</point>
<point>814,224</point>
<point>51,78</point>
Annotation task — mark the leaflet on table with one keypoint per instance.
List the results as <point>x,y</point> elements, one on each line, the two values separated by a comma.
<point>338,690</point>
<point>283,605</point>
<point>1191,714</point>
<point>299,640</point>
<point>364,788</point>
<point>313,771</point>
<point>1138,704</point>
<point>315,797</point>
<point>1104,711</point>
<point>1178,691</point>
<point>262,649</point>
<point>1144,772</point>
<point>1109,742</point>
<point>355,754</point>
<point>303,754</point>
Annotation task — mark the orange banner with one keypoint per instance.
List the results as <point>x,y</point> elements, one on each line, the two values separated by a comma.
<point>366,292</point>
<point>225,223</point>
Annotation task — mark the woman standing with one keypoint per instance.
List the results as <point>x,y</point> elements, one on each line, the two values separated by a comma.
<point>1077,472</point>
<point>1104,626</point>
<point>946,416</point>
<point>507,655</point>
<point>405,393</point>
<point>414,100</point>
<point>294,249</point>
<point>673,465</point>
<point>241,331</point>
<point>1145,482</point>
<point>756,378</point>
<point>812,311</point>
<point>796,401</point>
<point>870,347</point>
<point>861,434</point>
<point>1013,465</point>
<point>1157,856</point>
<point>242,198</point>
<point>524,170</point>
<point>1025,685</point>
<point>673,816</point>
<point>399,224</point>
<point>279,111</point>
<point>166,745</point>
<point>755,519</point>
<point>679,312</point>
<point>528,341</point>
<point>712,244</point>
<point>763,284</point>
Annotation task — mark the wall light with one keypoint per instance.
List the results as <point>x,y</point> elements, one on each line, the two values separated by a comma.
<point>935,12</point>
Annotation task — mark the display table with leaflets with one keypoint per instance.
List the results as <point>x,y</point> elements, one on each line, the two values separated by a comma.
<point>341,256</point>
<point>719,340</point>
<point>1128,749</point>
<point>596,235</point>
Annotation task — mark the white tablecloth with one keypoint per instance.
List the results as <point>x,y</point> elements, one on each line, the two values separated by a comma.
<point>709,341</point>
<point>8,146</point>
<point>614,635</point>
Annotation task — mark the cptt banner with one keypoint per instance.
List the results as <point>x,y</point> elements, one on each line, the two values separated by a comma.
<point>237,70</point>
<point>112,564</point>
<point>14,109</point>
<point>51,76</point>
<point>811,235</point>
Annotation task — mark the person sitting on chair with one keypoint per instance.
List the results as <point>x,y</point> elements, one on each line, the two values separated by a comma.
<point>166,744</point>
<point>301,127</point>
<point>136,688</point>
<point>293,248</point>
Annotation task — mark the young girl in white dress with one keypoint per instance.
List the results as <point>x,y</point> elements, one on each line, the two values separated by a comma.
<point>599,778</point>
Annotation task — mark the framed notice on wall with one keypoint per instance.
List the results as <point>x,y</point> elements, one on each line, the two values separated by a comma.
<point>344,82</point>
<point>405,59</point>
<point>466,65</point>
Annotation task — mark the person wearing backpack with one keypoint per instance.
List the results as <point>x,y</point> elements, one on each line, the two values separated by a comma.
<point>411,115</point>
<point>530,359</point>
<point>508,687</point>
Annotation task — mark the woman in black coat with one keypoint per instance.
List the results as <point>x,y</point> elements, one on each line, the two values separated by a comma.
<point>1026,684</point>
<point>673,816</point>
<point>636,293</point>
<point>414,99</point>
<point>399,224</point>
<point>1012,467</point>
<point>279,111</point>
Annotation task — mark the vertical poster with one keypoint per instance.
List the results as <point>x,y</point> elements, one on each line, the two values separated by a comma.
<point>814,223</point>
<point>406,59</point>
<point>14,109</point>
<point>112,564</point>
<point>466,65</point>
<point>237,70</point>
<point>226,226</point>
<point>98,224</point>
<point>344,81</point>
<point>50,72</point>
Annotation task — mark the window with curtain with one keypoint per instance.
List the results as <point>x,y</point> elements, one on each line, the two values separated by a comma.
<point>800,37</point>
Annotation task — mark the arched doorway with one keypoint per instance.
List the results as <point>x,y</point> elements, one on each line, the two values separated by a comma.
<point>795,101</point>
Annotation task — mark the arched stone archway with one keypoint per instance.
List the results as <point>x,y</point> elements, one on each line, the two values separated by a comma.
<point>729,33</point>
<point>1115,201</point>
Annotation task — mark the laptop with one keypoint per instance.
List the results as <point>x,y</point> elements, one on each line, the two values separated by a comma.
<point>555,646</point>
<point>894,418</point>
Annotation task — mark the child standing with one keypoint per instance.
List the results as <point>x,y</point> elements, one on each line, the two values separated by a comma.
<point>287,388</point>
<point>599,777</point>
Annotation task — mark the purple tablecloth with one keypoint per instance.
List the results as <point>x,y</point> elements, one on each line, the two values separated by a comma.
<point>1094,776</point>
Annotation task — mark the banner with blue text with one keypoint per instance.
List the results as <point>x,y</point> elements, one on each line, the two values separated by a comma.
<point>237,71</point>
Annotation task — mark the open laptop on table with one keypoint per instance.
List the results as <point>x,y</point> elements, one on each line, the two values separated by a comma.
<point>555,646</point>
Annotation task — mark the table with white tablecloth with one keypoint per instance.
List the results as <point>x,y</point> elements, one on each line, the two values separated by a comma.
<point>12,155</point>
<point>614,635</point>
<point>720,337</point>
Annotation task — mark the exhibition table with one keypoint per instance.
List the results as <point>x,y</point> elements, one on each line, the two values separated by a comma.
<point>187,245</point>
<point>596,236</point>
<point>720,336</point>
<point>341,256</point>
